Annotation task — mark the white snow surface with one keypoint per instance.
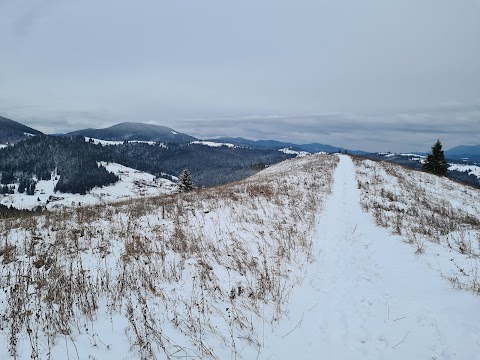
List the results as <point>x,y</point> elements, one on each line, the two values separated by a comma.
<point>213,144</point>
<point>294,152</point>
<point>438,217</point>
<point>470,169</point>
<point>414,157</point>
<point>359,293</point>
<point>368,296</point>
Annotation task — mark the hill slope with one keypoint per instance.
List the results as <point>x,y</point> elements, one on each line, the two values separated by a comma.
<point>136,131</point>
<point>316,257</point>
<point>460,170</point>
<point>371,296</point>
<point>430,213</point>
<point>131,184</point>
<point>12,131</point>
<point>37,158</point>
<point>163,277</point>
<point>76,161</point>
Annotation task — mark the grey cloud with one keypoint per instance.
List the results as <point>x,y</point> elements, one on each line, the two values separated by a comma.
<point>365,70</point>
<point>413,131</point>
<point>371,132</point>
<point>24,14</point>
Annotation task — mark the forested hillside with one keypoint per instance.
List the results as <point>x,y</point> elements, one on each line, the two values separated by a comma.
<point>209,165</point>
<point>41,157</point>
<point>12,131</point>
<point>75,161</point>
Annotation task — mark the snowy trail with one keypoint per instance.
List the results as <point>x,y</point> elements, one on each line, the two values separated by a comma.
<point>368,296</point>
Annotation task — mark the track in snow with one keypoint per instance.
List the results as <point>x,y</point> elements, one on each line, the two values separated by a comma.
<point>367,296</point>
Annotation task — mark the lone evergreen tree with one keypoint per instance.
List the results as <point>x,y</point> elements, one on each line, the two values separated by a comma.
<point>436,163</point>
<point>185,182</point>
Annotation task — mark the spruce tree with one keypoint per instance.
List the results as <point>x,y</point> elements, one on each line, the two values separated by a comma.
<point>185,182</point>
<point>436,163</point>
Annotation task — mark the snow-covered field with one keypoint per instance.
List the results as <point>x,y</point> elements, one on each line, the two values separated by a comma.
<point>294,152</point>
<point>286,264</point>
<point>195,275</point>
<point>414,157</point>
<point>470,169</point>
<point>377,299</point>
<point>132,184</point>
<point>212,143</point>
<point>438,217</point>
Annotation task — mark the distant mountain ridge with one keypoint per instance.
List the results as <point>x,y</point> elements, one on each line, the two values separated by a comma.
<point>129,131</point>
<point>274,144</point>
<point>12,131</point>
<point>472,153</point>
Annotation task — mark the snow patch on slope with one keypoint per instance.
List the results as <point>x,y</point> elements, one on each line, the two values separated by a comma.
<point>413,157</point>
<point>213,144</point>
<point>290,151</point>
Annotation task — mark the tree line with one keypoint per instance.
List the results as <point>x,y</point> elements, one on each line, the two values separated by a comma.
<point>75,161</point>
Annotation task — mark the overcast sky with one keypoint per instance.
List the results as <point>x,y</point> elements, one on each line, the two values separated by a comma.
<point>378,75</point>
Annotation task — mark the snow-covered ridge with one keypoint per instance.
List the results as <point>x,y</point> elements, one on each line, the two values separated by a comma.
<point>373,297</point>
<point>284,264</point>
<point>212,144</point>
<point>413,155</point>
<point>290,151</point>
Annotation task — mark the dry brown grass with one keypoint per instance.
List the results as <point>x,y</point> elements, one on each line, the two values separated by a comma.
<point>424,208</point>
<point>203,267</point>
